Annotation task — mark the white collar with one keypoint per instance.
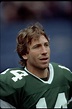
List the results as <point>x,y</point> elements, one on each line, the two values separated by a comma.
<point>50,76</point>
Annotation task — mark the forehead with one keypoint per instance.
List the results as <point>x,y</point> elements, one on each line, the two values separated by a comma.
<point>40,39</point>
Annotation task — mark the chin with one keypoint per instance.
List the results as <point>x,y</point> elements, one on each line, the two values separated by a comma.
<point>44,67</point>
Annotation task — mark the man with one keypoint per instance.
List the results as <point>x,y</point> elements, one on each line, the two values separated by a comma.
<point>39,83</point>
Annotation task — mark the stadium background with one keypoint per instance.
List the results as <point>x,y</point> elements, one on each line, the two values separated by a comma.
<point>56,20</point>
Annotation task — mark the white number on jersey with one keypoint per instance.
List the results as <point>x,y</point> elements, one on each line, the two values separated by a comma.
<point>61,102</point>
<point>41,103</point>
<point>17,75</point>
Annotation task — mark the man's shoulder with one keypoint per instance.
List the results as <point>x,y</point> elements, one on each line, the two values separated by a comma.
<point>62,70</point>
<point>11,69</point>
<point>13,76</point>
<point>59,66</point>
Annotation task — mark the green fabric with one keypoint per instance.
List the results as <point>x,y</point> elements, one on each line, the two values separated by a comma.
<point>24,90</point>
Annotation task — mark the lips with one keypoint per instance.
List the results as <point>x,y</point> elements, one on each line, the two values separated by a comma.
<point>44,59</point>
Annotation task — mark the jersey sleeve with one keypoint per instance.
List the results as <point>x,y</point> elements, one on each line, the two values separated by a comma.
<point>11,83</point>
<point>68,75</point>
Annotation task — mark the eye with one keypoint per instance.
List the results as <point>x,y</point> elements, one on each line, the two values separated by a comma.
<point>46,44</point>
<point>36,46</point>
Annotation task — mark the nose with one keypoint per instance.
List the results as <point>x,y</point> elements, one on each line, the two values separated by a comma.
<point>44,50</point>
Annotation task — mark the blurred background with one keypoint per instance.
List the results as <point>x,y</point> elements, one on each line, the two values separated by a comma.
<point>56,18</point>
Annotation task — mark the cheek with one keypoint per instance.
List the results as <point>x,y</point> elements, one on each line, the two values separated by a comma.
<point>49,50</point>
<point>32,56</point>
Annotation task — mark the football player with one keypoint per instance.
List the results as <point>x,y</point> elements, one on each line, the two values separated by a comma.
<point>39,83</point>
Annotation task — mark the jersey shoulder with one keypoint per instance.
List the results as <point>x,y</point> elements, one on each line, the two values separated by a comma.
<point>59,66</point>
<point>63,70</point>
<point>13,76</point>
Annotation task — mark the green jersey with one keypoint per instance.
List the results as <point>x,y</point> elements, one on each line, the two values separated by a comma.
<point>20,89</point>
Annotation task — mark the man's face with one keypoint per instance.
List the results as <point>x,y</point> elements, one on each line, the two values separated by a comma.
<point>39,53</point>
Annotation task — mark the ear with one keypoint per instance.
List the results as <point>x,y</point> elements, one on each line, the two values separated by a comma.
<point>24,57</point>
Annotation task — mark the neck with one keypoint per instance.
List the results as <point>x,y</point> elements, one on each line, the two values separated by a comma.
<point>41,73</point>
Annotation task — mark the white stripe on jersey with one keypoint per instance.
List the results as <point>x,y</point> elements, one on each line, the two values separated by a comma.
<point>4,104</point>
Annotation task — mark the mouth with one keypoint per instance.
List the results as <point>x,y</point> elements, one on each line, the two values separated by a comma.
<point>45,60</point>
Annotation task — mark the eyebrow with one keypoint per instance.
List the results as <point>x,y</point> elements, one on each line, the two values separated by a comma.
<point>38,44</point>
